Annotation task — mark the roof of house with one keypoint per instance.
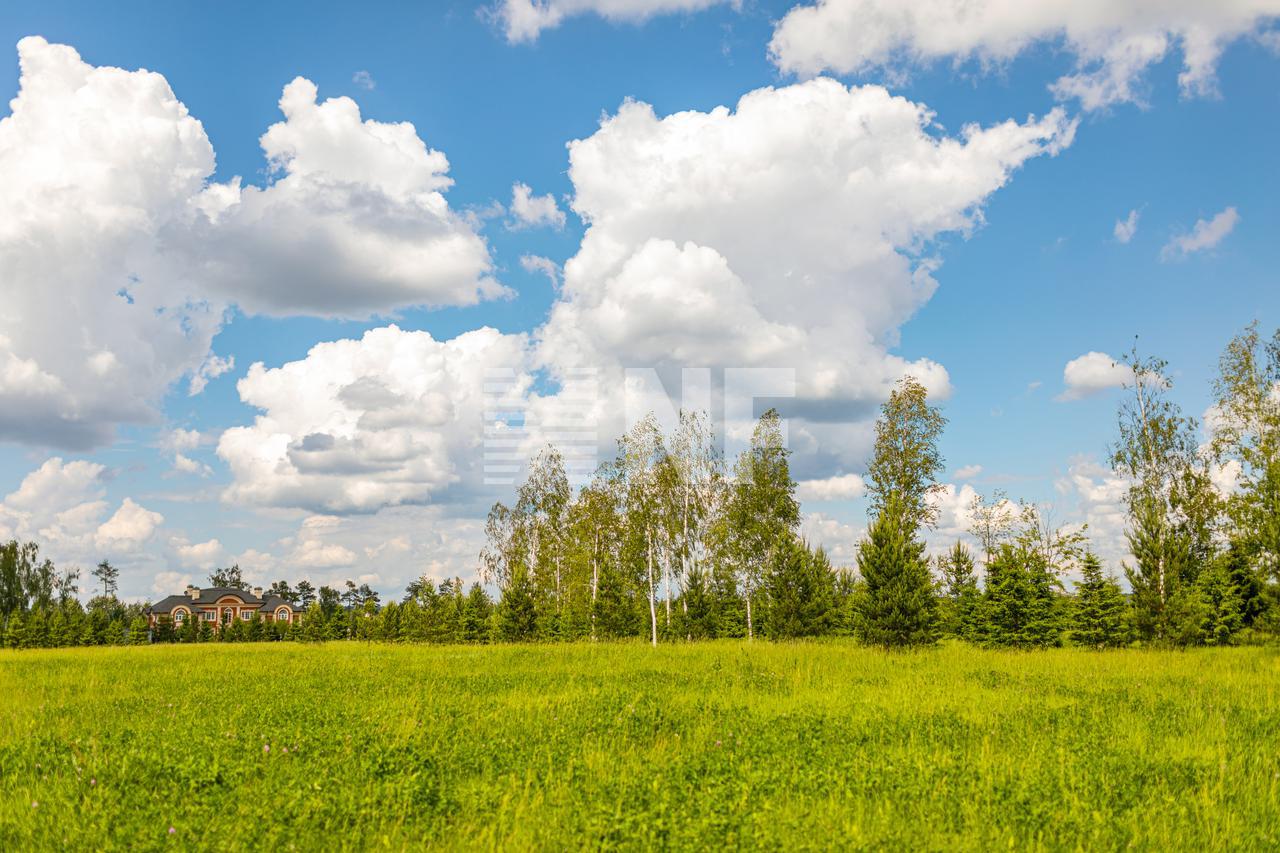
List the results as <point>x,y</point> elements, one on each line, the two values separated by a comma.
<point>211,595</point>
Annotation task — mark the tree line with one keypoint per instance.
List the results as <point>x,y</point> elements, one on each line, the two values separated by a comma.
<point>669,543</point>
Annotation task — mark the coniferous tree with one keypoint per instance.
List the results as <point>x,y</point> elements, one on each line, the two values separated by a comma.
<point>1221,610</point>
<point>800,591</point>
<point>1020,608</point>
<point>476,615</point>
<point>109,576</point>
<point>517,615</point>
<point>1100,618</point>
<point>897,607</point>
<point>961,597</point>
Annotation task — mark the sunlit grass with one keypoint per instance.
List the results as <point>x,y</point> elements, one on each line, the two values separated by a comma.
<point>688,746</point>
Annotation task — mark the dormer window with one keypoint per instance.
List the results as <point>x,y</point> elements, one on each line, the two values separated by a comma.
<point>282,615</point>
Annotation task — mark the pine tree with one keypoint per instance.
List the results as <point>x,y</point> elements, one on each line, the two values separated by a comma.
<point>800,592</point>
<point>898,607</point>
<point>1100,617</point>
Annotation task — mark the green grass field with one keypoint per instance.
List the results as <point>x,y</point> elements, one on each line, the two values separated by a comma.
<point>807,746</point>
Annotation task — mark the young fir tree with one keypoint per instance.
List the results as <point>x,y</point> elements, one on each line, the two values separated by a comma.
<point>1221,611</point>
<point>517,617</point>
<point>476,614</point>
<point>800,592</point>
<point>698,606</point>
<point>897,607</point>
<point>1100,618</point>
<point>1020,609</point>
<point>960,590</point>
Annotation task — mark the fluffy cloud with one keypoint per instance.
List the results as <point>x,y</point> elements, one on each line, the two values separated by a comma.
<point>838,539</point>
<point>199,555</point>
<point>532,210</point>
<point>106,170</point>
<point>393,418</point>
<point>968,472</point>
<point>97,165</point>
<point>840,488</point>
<point>1127,227</point>
<point>354,223</point>
<point>129,527</point>
<point>1092,372</point>
<point>792,231</point>
<point>1113,43</point>
<point>1205,234</point>
<point>524,20</point>
<point>1099,495</point>
<point>61,505</point>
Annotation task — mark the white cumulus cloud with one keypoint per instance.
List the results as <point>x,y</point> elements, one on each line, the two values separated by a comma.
<point>392,418</point>
<point>107,171</point>
<point>532,210</point>
<point>1113,44</point>
<point>842,487</point>
<point>1091,373</point>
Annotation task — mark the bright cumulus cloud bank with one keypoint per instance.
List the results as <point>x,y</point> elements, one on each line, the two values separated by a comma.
<point>795,229</point>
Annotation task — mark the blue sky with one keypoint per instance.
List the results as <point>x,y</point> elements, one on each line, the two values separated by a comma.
<point>1037,278</point>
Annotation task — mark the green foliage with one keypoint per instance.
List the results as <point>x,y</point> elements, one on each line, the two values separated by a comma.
<point>897,607</point>
<point>517,617</point>
<point>905,461</point>
<point>1100,619</point>
<point>1020,608</point>
<point>961,599</point>
<point>801,592</point>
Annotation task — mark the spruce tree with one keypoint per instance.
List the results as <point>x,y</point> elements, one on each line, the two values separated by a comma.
<point>960,588</point>
<point>1221,615</point>
<point>1100,619</point>
<point>898,607</point>
<point>1020,608</point>
<point>517,615</point>
<point>800,589</point>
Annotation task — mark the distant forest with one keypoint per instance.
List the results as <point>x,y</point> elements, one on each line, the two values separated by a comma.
<point>669,543</point>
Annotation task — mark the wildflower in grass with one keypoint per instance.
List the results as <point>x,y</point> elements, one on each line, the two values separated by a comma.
<point>266,747</point>
<point>172,830</point>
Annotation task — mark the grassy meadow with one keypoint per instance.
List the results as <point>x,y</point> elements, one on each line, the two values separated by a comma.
<point>773,746</point>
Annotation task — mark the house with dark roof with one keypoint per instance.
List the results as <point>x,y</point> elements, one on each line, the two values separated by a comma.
<point>221,605</point>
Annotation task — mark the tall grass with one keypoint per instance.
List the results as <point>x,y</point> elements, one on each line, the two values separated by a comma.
<point>807,746</point>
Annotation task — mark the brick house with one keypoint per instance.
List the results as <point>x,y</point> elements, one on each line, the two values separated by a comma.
<point>221,605</point>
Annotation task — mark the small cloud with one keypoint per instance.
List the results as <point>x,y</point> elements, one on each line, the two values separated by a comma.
<point>844,487</point>
<point>1033,385</point>
<point>1127,227</point>
<point>968,472</point>
<point>545,266</point>
<point>186,465</point>
<point>532,210</point>
<point>213,367</point>
<point>364,80</point>
<point>1205,234</point>
<point>1091,373</point>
